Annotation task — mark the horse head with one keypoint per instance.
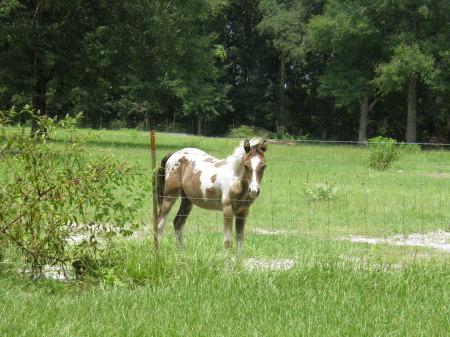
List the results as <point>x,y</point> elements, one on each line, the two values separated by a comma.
<point>254,165</point>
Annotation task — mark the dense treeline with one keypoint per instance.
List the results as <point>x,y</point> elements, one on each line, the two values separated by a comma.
<point>328,69</point>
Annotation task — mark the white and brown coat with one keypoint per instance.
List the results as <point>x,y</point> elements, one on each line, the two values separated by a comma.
<point>229,185</point>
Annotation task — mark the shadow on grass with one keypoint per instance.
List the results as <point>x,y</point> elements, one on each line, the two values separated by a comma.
<point>161,146</point>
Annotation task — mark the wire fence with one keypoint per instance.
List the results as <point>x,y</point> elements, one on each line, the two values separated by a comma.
<point>326,191</point>
<point>315,190</point>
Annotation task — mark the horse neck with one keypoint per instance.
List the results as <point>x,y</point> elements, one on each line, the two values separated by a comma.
<point>239,176</point>
<point>244,184</point>
<point>237,166</point>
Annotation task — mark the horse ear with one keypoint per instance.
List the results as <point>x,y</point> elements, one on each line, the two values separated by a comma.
<point>247,146</point>
<point>264,145</point>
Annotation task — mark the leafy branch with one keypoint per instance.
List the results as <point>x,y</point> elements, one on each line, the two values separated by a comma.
<point>53,194</point>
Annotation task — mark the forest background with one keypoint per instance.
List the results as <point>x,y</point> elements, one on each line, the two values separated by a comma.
<point>318,69</point>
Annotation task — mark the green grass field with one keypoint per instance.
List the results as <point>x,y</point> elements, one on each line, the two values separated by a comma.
<point>413,196</point>
<point>299,276</point>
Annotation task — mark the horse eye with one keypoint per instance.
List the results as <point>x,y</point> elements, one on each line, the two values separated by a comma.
<point>246,166</point>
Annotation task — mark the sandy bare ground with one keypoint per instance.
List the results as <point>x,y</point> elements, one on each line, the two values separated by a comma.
<point>267,264</point>
<point>277,232</point>
<point>439,240</point>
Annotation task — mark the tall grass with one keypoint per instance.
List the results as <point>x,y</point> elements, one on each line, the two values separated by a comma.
<point>334,288</point>
<point>209,295</point>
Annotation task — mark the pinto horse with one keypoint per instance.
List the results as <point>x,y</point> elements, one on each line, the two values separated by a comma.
<point>229,185</point>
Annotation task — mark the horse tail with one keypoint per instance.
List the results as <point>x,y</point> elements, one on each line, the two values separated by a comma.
<point>161,179</point>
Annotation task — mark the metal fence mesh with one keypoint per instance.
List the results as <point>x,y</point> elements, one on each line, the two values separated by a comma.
<point>342,199</point>
<point>318,191</point>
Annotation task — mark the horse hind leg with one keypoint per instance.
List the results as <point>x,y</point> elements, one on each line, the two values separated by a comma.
<point>181,217</point>
<point>166,205</point>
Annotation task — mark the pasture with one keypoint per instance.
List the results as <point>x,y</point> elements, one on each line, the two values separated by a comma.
<point>312,265</point>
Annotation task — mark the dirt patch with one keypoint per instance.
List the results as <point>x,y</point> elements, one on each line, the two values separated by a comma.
<point>438,240</point>
<point>439,175</point>
<point>266,264</point>
<point>277,232</point>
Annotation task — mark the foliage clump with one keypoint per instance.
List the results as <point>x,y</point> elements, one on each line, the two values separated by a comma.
<point>245,131</point>
<point>118,124</point>
<point>383,151</point>
<point>322,192</point>
<point>58,202</point>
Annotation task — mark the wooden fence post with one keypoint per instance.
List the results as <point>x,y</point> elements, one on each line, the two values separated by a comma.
<point>155,192</point>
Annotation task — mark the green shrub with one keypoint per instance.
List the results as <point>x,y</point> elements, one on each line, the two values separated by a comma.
<point>118,124</point>
<point>383,151</point>
<point>285,136</point>
<point>58,203</point>
<point>319,192</point>
<point>411,148</point>
<point>245,131</point>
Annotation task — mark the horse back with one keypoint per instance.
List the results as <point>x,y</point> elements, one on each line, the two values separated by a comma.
<point>198,175</point>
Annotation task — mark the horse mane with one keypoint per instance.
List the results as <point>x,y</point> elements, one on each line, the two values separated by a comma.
<point>238,154</point>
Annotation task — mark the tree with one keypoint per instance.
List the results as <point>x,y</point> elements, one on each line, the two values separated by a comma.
<point>176,59</point>
<point>418,35</point>
<point>300,66</point>
<point>173,56</point>
<point>347,35</point>
<point>41,43</point>
<point>248,65</point>
<point>284,24</point>
<point>130,60</point>
<point>406,67</point>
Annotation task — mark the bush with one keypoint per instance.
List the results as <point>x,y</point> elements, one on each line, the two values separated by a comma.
<point>411,148</point>
<point>58,203</point>
<point>383,151</point>
<point>320,192</point>
<point>245,131</point>
<point>118,124</point>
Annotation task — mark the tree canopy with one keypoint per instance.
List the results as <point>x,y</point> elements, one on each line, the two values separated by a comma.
<point>329,69</point>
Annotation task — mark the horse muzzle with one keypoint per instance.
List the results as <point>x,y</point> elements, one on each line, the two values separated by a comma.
<point>254,193</point>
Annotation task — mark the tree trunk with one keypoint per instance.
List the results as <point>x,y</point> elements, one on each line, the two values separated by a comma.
<point>280,123</point>
<point>39,93</point>
<point>323,124</point>
<point>199,126</point>
<point>411,123</point>
<point>363,120</point>
<point>364,117</point>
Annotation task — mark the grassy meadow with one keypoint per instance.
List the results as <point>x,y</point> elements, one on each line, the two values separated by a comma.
<point>299,276</point>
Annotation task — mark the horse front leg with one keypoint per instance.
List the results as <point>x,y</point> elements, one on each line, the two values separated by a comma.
<point>241,218</point>
<point>228,216</point>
